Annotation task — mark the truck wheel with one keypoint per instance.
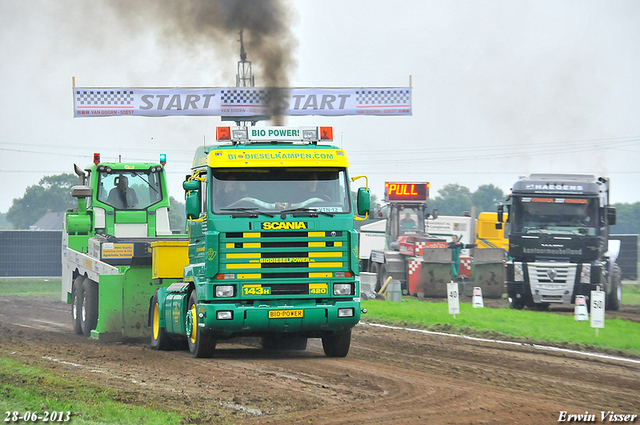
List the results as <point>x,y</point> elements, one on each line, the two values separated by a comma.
<point>614,298</point>
<point>200,344</point>
<point>516,303</point>
<point>160,340</point>
<point>336,345</point>
<point>89,310</point>
<point>76,304</point>
<point>284,342</point>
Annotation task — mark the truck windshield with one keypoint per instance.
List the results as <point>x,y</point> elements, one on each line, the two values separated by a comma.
<point>555,215</point>
<point>129,190</point>
<point>277,189</point>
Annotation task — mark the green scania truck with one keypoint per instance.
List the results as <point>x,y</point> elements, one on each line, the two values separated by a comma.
<point>272,247</point>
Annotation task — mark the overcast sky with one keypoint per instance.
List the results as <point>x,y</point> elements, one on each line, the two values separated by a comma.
<point>500,89</point>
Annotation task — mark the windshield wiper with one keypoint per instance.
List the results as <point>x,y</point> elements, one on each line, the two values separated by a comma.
<point>312,212</point>
<point>251,210</point>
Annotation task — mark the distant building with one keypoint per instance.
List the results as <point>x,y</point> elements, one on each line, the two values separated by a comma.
<point>49,221</point>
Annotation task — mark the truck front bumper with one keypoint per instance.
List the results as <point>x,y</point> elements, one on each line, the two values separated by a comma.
<point>302,317</point>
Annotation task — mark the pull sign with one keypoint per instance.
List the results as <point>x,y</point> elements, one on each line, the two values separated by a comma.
<point>406,192</point>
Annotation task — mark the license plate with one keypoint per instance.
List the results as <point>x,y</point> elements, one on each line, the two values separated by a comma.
<point>285,314</point>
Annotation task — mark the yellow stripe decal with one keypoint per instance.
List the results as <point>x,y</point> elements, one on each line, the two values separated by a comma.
<point>249,276</point>
<point>321,274</point>
<point>251,245</point>
<point>316,245</point>
<point>243,266</point>
<point>245,255</point>
<point>325,254</point>
<point>251,235</point>
<point>231,245</point>
<point>316,234</point>
<point>325,265</point>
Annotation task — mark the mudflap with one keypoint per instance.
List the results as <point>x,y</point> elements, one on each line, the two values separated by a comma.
<point>123,304</point>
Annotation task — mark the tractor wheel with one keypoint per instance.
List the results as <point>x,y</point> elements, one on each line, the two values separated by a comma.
<point>160,340</point>
<point>200,344</point>
<point>336,345</point>
<point>375,268</point>
<point>89,310</point>
<point>76,304</point>
<point>614,298</point>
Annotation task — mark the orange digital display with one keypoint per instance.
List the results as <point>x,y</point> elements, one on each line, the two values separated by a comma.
<point>406,192</point>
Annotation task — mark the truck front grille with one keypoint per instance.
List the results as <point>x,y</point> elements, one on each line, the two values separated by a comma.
<point>284,255</point>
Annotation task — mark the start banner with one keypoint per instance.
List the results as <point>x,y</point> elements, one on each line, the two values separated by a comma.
<point>240,102</point>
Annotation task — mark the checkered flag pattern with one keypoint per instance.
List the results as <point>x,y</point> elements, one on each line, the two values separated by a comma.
<point>383,97</point>
<point>465,266</point>
<point>414,266</point>
<point>245,97</point>
<point>104,97</point>
<point>419,247</point>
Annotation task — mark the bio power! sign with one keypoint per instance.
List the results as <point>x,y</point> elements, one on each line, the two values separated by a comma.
<point>239,102</point>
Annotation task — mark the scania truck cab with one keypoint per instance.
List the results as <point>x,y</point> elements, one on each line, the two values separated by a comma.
<point>272,247</point>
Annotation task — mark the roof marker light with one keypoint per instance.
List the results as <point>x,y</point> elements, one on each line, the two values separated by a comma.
<point>163,159</point>
<point>96,158</point>
<point>223,133</point>
<point>326,133</point>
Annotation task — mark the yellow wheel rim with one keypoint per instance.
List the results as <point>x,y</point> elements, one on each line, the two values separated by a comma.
<point>156,321</point>
<point>194,320</point>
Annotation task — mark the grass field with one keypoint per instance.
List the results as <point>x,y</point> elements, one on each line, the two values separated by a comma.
<point>523,325</point>
<point>47,392</point>
<point>30,286</point>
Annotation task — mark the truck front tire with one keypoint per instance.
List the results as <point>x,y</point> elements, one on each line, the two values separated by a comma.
<point>336,345</point>
<point>200,344</point>
<point>614,300</point>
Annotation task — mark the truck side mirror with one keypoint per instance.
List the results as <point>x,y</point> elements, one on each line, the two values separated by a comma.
<point>611,215</point>
<point>500,217</point>
<point>192,205</point>
<point>192,201</point>
<point>364,201</point>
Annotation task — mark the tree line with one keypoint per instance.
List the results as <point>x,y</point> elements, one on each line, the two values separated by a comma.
<point>54,193</point>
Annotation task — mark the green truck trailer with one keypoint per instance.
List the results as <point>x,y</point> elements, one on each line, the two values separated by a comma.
<point>271,249</point>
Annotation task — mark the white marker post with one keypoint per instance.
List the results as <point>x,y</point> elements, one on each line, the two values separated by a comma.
<point>580,310</point>
<point>597,310</point>
<point>477,297</point>
<point>454,298</point>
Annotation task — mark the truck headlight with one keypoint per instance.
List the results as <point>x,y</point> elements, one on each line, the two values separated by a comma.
<point>518,274</point>
<point>224,315</point>
<point>342,289</point>
<point>224,291</point>
<point>345,312</point>
<point>585,274</point>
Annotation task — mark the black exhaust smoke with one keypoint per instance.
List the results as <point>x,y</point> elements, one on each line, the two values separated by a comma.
<point>216,23</point>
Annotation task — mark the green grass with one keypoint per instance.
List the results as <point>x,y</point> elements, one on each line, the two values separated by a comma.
<point>631,294</point>
<point>31,389</point>
<point>30,286</point>
<point>522,325</point>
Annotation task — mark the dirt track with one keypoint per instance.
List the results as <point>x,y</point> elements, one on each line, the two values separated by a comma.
<point>390,376</point>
